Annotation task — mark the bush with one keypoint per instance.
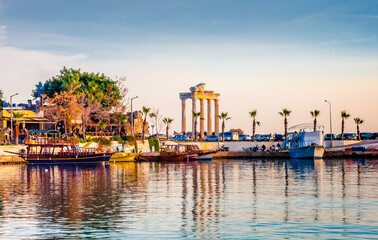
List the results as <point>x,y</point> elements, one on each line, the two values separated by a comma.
<point>118,139</point>
<point>103,141</point>
<point>153,142</point>
<point>129,140</point>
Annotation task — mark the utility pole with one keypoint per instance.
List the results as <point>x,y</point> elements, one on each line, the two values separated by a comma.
<point>330,119</point>
<point>11,113</point>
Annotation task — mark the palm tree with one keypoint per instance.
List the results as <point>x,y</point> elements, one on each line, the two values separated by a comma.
<point>224,117</point>
<point>167,121</point>
<point>253,115</point>
<point>344,115</point>
<point>102,126</point>
<point>285,113</point>
<point>153,115</point>
<point>17,117</point>
<point>358,121</point>
<point>120,119</point>
<point>195,116</point>
<point>145,112</point>
<point>314,114</point>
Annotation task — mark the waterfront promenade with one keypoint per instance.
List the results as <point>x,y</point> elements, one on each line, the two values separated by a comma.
<point>235,150</point>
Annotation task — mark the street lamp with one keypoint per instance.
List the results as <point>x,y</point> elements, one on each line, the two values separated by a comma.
<point>11,113</point>
<point>132,116</point>
<point>330,119</point>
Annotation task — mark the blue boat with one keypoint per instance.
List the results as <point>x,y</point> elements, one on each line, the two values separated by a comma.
<point>53,151</point>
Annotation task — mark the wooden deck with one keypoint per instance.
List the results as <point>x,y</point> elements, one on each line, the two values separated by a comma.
<point>11,160</point>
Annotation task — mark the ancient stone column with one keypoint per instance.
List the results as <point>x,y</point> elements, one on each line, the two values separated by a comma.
<point>209,130</point>
<point>216,114</point>
<point>193,110</point>
<point>183,123</point>
<point>202,120</point>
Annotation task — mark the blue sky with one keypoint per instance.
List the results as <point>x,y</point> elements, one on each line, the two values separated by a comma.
<point>257,54</point>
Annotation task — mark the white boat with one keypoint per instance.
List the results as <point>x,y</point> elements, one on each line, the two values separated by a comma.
<point>306,144</point>
<point>205,157</point>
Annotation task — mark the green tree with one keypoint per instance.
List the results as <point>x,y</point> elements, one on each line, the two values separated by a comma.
<point>120,119</point>
<point>102,125</point>
<point>285,113</point>
<point>17,117</point>
<point>224,117</point>
<point>344,116</point>
<point>97,87</point>
<point>195,116</point>
<point>253,115</point>
<point>167,121</point>
<point>314,114</point>
<point>358,121</point>
<point>145,111</point>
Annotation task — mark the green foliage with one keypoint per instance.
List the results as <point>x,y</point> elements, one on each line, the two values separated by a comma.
<point>102,141</point>
<point>105,142</point>
<point>96,87</point>
<point>129,140</point>
<point>315,113</point>
<point>118,139</point>
<point>153,142</point>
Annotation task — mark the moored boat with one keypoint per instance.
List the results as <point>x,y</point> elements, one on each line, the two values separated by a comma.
<point>123,157</point>
<point>202,154</point>
<point>57,151</point>
<point>169,152</point>
<point>306,145</point>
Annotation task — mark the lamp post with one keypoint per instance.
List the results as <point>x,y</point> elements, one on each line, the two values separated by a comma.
<point>132,116</point>
<point>11,113</point>
<point>330,119</point>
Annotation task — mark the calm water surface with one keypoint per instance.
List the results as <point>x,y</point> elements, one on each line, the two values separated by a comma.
<point>242,199</point>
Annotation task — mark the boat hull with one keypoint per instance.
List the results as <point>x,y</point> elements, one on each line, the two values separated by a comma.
<point>123,157</point>
<point>205,157</point>
<point>79,160</point>
<point>311,152</point>
<point>162,156</point>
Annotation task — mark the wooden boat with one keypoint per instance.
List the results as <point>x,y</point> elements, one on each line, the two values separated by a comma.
<point>202,154</point>
<point>166,153</point>
<point>56,151</point>
<point>123,157</point>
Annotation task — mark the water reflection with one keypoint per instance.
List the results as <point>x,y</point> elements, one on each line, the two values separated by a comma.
<point>197,200</point>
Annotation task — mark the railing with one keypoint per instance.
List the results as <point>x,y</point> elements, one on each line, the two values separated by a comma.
<point>48,141</point>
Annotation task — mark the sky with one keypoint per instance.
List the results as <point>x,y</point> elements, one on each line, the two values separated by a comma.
<point>264,55</point>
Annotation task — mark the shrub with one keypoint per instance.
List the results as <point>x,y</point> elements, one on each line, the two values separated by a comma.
<point>153,142</point>
<point>118,139</point>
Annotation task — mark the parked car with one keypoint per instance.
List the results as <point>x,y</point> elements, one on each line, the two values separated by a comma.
<point>159,136</point>
<point>244,137</point>
<point>213,138</point>
<point>180,138</point>
<point>364,135</point>
<point>257,137</point>
<point>278,137</point>
<point>265,137</point>
<point>328,136</point>
<point>372,136</point>
<point>230,136</point>
<point>347,136</point>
